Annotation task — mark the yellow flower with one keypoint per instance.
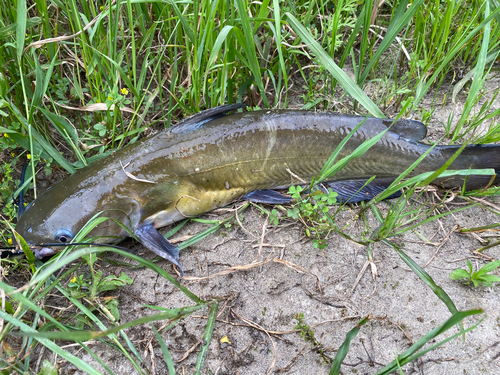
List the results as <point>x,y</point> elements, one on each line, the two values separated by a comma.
<point>12,154</point>
<point>73,280</point>
<point>9,241</point>
<point>101,8</point>
<point>24,204</point>
<point>5,135</point>
<point>28,156</point>
<point>225,339</point>
<point>110,98</point>
<point>210,80</point>
<point>124,91</point>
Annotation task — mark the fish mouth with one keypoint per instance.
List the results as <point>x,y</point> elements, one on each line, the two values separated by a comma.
<point>38,251</point>
<point>42,252</point>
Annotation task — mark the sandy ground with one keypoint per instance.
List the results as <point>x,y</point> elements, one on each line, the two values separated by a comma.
<point>402,307</point>
<point>332,288</point>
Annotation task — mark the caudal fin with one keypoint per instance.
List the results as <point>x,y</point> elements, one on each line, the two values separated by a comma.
<point>472,157</point>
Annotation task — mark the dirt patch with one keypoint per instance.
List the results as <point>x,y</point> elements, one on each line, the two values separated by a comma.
<point>261,303</point>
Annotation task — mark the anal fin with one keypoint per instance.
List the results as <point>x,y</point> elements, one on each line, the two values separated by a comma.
<point>158,244</point>
<point>267,196</point>
<point>353,191</point>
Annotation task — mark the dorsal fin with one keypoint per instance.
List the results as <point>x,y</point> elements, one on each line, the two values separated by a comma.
<point>198,120</point>
<point>409,129</point>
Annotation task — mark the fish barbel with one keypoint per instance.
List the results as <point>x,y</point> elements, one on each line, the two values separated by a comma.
<point>212,159</point>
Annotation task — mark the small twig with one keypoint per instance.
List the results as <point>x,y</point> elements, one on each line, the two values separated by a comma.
<point>483,201</point>
<point>245,267</point>
<point>300,269</point>
<point>289,365</point>
<point>40,43</point>
<point>229,270</point>
<point>297,177</point>
<point>445,239</point>
<point>241,225</point>
<point>266,332</point>
<point>360,275</point>
<point>153,358</point>
<point>268,245</point>
<point>189,351</point>
<point>261,240</point>
<point>130,175</point>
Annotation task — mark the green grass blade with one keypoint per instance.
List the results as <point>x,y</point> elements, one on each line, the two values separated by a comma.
<point>64,128</point>
<point>397,24</point>
<point>207,336</point>
<point>352,39</point>
<point>166,353</point>
<point>443,168</point>
<point>48,75</point>
<point>57,263</point>
<point>11,29</point>
<point>364,44</point>
<point>247,42</point>
<point>425,277</point>
<point>217,45</point>
<point>277,34</point>
<point>428,220</point>
<point>81,307</point>
<point>22,15</point>
<point>424,86</point>
<point>199,236</point>
<point>426,178</point>
<point>328,171</point>
<point>478,80</point>
<point>411,354</point>
<point>396,186</point>
<point>84,366</point>
<point>172,314</point>
<point>344,348</point>
<point>185,24</point>
<point>37,95</point>
<point>27,303</point>
<point>45,145</point>
<point>325,60</point>
<point>54,154</point>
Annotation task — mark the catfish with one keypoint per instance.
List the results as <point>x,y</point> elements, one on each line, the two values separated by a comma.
<point>214,158</point>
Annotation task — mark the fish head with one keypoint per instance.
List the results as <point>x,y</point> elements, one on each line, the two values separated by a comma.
<point>59,214</point>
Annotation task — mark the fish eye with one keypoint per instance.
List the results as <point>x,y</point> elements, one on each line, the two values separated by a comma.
<point>63,235</point>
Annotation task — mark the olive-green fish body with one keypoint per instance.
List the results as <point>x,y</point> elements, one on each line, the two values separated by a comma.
<point>211,160</point>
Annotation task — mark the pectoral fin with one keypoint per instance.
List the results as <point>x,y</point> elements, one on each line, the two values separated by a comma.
<point>158,244</point>
<point>267,196</point>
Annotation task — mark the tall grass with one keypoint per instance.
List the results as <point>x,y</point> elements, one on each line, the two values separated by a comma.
<point>79,79</point>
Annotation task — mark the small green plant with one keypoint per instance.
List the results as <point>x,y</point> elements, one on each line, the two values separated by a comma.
<point>117,98</point>
<point>90,285</point>
<point>480,277</point>
<point>313,209</point>
<point>8,183</point>
<point>60,90</point>
<point>308,335</point>
<point>273,217</point>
